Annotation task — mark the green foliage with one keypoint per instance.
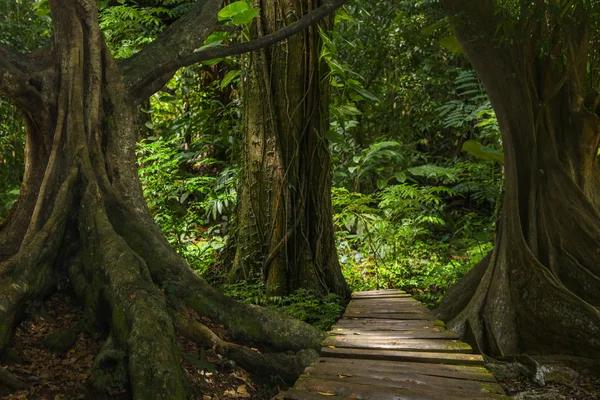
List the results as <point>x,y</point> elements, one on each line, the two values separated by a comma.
<point>177,199</point>
<point>471,108</point>
<point>321,312</point>
<point>238,13</point>
<point>409,211</point>
<point>422,236</point>
<point>25,30</point>
<point>127,28</point>
<point>187,167</point>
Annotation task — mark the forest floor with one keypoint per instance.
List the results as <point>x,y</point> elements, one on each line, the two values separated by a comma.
<point>63,375</point>
<point>583,386</point>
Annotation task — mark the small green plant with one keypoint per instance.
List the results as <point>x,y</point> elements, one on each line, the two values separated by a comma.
<point>201,363</point>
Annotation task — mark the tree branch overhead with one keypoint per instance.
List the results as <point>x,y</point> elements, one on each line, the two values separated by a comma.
<point>167,54</point>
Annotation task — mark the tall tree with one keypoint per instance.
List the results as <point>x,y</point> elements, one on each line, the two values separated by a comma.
<point>285,216</point>
<point>539,290</point>
<point>81,219</point>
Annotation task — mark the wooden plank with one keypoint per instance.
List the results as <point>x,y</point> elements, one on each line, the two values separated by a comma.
<point>384,311</point>
<point>396,316</point>
<point>465,372</point>
<point>294,394</point>
<point>423,333</point>
<point>370,342</point>
<point>378,291</point>
<point>417,356</point>
<point>385,304</point>
<point>387,325</point>
<point>374,392</point>
<point>382,296</point>
<point>404,378</point>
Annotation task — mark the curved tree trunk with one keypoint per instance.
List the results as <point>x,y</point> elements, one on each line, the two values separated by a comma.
<point>81,221</point>
<point>284,215</point>
<point>539,290</point>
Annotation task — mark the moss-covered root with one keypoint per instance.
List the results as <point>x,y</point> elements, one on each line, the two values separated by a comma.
<point>29,274</point>
<point>287,366</point>
<point>248,322</point>
<point>109,370</point>
<point>139,322</point>
<point>245,322</point>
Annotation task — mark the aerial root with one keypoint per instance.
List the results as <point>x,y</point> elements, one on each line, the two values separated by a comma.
<point>286,366</point>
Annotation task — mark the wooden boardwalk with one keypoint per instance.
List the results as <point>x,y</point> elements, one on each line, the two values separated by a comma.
<point>389,346</point>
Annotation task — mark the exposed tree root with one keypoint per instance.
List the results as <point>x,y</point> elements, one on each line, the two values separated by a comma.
<point>81,222</point>
<point>287,366</point>
<point>538,295</point>
<point>30,275</point>
<point>245,322</point>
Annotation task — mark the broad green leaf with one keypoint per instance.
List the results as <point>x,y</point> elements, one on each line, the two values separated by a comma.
<point>214,61</point>
<point>232,9</point>
<point>208,46</point>
<point>245,17</point>
<point>349,110</point>
<point>428,30</point>
<point>478,150</point>
<point>366,94</point>
<point>400,177</point>
<point>230,76</point>
<point>452,44</point>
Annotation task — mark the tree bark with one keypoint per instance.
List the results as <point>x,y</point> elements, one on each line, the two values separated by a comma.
<point>285,229</point>
<point>539,290</point>
<point>81,219</point>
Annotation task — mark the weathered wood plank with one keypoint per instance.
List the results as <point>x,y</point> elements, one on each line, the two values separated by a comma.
<point>370,342</point>
<point>398,307</point>
<point>403,378</point>
<point>377,391</point>
<point>392,355</point>
<point>393,302</point>
<point>385,311</point>
<point>381,296</point>
<point>382,324</point>
<point>294,394</point>
<point>396,316</point>
<point>465,372</point>
<point>378,291</point>
<point>421,333</point>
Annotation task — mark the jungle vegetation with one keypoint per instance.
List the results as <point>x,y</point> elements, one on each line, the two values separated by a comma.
<point>220,155</point>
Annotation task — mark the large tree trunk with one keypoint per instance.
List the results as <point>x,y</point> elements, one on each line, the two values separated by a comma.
<point>539,290</point>
<point>284,215</point>
<point>81,221</point>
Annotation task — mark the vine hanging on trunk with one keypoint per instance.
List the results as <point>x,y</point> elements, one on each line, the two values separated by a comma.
<point>81,217</point>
